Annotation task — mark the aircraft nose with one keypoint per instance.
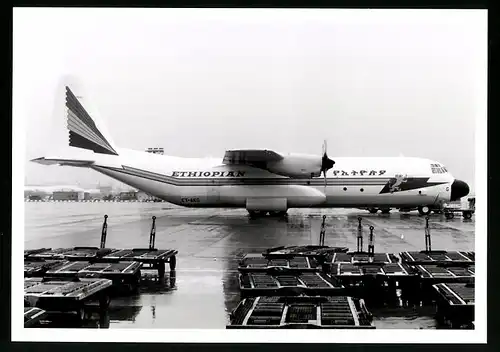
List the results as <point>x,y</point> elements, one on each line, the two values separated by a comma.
<point>459,189</point>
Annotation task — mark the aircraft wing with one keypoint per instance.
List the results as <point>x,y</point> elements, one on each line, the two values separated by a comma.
<point>252,157</point>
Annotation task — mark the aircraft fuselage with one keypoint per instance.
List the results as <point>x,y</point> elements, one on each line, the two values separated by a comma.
<point>353,182</point>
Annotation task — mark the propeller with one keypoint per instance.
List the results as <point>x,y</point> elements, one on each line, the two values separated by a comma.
<point>326,162</point>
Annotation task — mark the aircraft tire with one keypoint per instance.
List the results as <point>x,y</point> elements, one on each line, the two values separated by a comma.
<point>467,215</point>
<point>256,213</point>
<point>279,214</point>
<point>373,210</point>
<point>424,210</point>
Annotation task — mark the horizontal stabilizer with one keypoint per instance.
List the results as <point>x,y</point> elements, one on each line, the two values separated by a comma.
<point>63,162</point>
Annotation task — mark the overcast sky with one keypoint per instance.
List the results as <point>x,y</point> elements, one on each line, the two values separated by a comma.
<point>198,82</point>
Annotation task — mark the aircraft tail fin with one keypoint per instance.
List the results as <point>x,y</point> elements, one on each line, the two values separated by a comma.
<point>85,130</point>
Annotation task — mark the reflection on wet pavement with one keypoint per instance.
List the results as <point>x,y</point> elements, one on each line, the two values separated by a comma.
<point>210,243</point>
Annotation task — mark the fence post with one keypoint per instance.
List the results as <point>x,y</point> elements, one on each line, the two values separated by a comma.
<point>360,235</point>
<point>153,234</point>
<point>322,232</point>
<point>104,232</point>
<point>428,247</point>
<point>371,247</point>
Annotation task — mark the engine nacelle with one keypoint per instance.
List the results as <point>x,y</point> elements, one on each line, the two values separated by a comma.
<point>297,166</point>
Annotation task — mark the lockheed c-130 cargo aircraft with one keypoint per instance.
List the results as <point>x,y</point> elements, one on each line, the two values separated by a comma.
<point>261,181</point>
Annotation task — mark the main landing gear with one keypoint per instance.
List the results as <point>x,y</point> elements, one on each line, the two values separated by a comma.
<point>260,213</point>
<point>383,210</point>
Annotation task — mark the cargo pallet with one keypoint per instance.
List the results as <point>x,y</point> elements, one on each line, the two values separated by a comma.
<point>33,316</point>
<point>455,304</point>
<point>278,290</point>
<point>38,267</point>
<point>430,275</point>
<point>438,266</point>
<point>257,262</point>
<point>311,251</point>
<point>318,253</point>
<point>442,273</point>
<point>75,253</point>
<point>323,312</point>
<point>378,282</point>
<point>361,256</point>
<point>148,257</point>
<point>288,282</point>
<point>123,275</point>
<point>437,257</point>
<point>62,295</point>
<point>375,277</point>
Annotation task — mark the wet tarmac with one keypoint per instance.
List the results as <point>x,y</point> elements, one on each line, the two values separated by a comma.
<point>210,243</point>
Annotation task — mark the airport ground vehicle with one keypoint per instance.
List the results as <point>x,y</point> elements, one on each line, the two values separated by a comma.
<point>449,212</point>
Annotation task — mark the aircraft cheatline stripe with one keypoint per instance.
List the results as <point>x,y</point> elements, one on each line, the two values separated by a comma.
<point>265,180</point>
<point>375,180</point>
<point>240,181</point>
<point>256,181</point>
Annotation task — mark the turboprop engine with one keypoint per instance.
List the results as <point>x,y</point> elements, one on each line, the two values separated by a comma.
<point>302,165</point>
<point>297,166</point>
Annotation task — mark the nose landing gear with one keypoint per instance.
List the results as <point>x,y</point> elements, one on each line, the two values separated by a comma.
<point>424,210</point>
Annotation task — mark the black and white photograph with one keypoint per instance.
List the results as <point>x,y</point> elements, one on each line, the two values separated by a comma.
<point>225,175</point>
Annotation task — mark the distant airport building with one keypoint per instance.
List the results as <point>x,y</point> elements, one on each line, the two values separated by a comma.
<point>128,195</point>
<point>62,192</point>
<point>35,197</point>
<point>155,150</point>
<point>37,192</point>
<point>68,195</point>
<point>143,196</point>
<point>105,190</point>
<point>91,194</point>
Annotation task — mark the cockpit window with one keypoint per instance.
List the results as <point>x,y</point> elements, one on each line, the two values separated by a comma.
<point>438,169</point>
